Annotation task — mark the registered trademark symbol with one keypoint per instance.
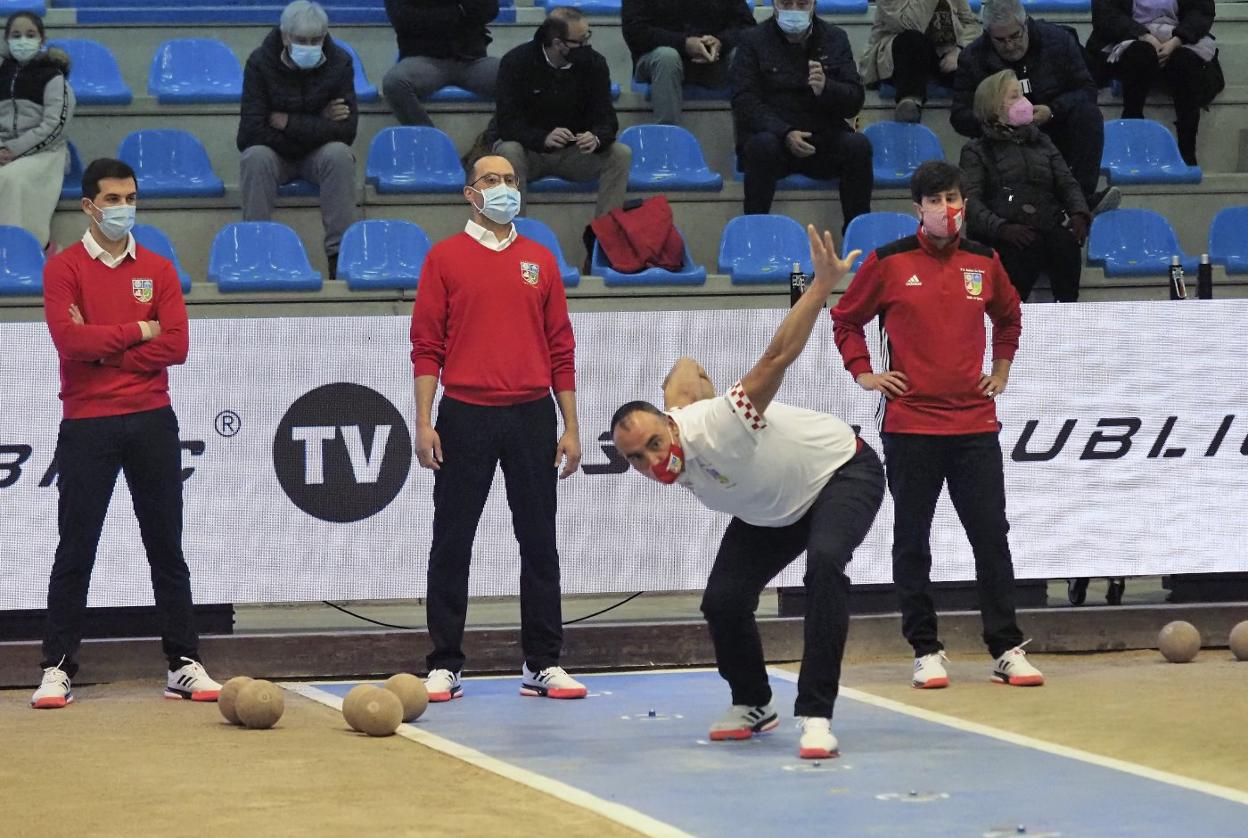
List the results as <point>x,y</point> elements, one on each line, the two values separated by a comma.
<point>227,423</point>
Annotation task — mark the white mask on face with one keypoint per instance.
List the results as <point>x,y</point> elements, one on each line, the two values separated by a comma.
<point>23,49</point>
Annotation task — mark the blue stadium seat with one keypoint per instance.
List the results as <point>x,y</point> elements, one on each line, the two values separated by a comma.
<point>453,93</point>
<point>71,187</point>
<point>793,181</point>
<point>1040,7</point>
<point>690,92</point>
<point>260,256</point>
<point>155,240</point>
<point>688,274</point>
<point>1143,151</point>
<point>170,163</point>
<point>298,188</point>
<point>762,249</point>
<point>365,91</point>
<point>835,7</point>
<point>667,158</point>
<point>601,8</point>
<point>550,183</point>
<point>382,253</point>
<point>1228,240</point>
<point>195,70</point>
<point>8,7</point>
<point>21,262</point>
<point>96,77</point>
<point>533,229</point>
<point>413,158</point>
<point>1135,242</point>
<point>876,229</point>
<point>898,149</point>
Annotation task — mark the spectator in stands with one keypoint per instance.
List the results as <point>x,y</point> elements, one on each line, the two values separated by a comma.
<point>554,113</point>
<point>794,88</point>
<point>1143,42</point>
<point>299,119</point>
<point>33,117</point>
<point>441,42</point>
<point>1050,65</point>
<point>913,43</point>
<point>673,43</point>
<point>1020,195</point>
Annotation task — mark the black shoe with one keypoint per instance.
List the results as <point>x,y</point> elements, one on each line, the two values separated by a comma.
<point>332,258</point>
<point>1105,200</point>
<point>1077,591</point>
<point>1117,587</point>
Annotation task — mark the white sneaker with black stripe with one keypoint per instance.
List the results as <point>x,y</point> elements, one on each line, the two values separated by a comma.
<point>551,682</point>
<point>930,672</point>
<point>191,682</point>
<point>443,685</point>
<point>54,690</point>
<point>743,721</point>
<point>1014,669</point>
<point>818,741</point>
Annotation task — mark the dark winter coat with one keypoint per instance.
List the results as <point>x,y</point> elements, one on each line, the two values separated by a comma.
<point>1021,161</point>
<point>442,28</point>
<point>650,24</point>
<point>770,93</point>
<point>534,98</point>
<point>1055,64</point>
<point>272,85</point>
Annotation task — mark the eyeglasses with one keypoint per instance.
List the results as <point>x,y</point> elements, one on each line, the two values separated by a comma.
<point>492,179</point>
<point>1017,38</point>
<point>583,42</point>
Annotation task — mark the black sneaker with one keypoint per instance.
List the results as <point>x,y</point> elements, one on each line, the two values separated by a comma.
<point>332,258</point>
<point>1105,200</point>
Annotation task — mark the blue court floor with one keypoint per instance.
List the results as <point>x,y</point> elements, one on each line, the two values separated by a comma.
<point>898,774</point>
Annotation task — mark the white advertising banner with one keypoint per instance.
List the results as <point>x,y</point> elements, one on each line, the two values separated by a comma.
<point>1124,436</point>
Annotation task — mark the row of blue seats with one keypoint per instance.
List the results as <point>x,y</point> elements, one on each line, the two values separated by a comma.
<point>172,163</point>
<point>754,249</point>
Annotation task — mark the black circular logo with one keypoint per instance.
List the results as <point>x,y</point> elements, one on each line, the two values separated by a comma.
<point>342,452</point>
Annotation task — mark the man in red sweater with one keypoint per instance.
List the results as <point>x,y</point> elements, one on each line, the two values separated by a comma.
<point>491,318</point>
<point>939,421</point>
<point>117,318</point>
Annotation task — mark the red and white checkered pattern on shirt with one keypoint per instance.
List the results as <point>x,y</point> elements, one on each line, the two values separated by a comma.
<point>742,405</point>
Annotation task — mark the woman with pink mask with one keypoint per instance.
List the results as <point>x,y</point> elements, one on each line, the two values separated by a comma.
<point>1020,195</point>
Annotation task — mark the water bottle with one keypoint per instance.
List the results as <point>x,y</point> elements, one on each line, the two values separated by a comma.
<point>1178,288</point>
<point>797,284</point>
<point>1204,279</point>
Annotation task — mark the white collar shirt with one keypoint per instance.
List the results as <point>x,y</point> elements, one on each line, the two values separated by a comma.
<point>487,237</point>
<point>96,252</point>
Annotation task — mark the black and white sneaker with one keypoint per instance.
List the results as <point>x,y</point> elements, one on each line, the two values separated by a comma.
<point>743,721</point>
<point>191,682</point>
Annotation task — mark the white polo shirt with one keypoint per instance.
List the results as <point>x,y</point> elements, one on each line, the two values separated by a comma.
<point>766,470</point>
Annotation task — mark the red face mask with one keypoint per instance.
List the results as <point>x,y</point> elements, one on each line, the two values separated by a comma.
<point>942,223</point>
<point>667,472</point>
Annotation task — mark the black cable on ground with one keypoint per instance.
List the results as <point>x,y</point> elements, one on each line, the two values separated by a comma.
<point>348,611</point>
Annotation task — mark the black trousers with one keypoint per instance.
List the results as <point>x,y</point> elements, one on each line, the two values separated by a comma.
<point>1054,252</point>
<point>89,454</point>
<point>838,154</point>
<point>1140,73</point>
<point>1080,136</point>
<point>918,465</point>
<point>750,556</point>
<point>475,440</point>
<point>915,64</point>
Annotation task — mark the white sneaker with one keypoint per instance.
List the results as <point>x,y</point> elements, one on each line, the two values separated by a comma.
<point>929,672</point>
<point>191,682</point>
<point>443,685</point>
<point>1014,669</point>
<point>743,721</point>
<point>54,691</point>
<point>551,682</point>
<point>818,741</point>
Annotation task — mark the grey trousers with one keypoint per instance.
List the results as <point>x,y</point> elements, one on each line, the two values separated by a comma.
<point>414,78</point>
<point>666,71</point>
<point>332,167</point>
<point>610,168</point>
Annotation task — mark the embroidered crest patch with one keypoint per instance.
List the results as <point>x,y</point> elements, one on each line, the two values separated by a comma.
<point>974,281</point>
<point>141,289</point>
<point>530,272</point>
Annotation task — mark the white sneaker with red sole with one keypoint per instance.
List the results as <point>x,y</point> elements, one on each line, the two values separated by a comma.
<point>54,690</point>
<point>1014,669</point>
<point>818,741</point>
<point>443,685</point>
<point>929,672</point>
<point>191,683</point>
<point>551,682</point>
<point>743,721</point>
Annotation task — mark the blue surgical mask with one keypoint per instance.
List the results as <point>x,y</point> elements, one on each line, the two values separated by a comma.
<point>502,202</point>
<point>24,49</point>
<point>117,222</point>
<point>304,56</point>
<point>793,21</point>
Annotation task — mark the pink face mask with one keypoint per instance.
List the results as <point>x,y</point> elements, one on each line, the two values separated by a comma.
<point>1020,113</point>
<point>942,223</point>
